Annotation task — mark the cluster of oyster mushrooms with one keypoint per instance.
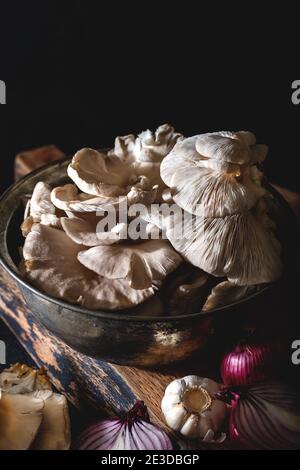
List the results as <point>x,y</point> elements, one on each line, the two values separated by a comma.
<point>32,415</point>
<point>228,252</point>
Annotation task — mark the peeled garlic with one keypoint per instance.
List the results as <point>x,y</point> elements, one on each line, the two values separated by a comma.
<point>190,408</point>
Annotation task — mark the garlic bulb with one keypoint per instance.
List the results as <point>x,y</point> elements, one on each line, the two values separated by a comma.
<point>190,408</point>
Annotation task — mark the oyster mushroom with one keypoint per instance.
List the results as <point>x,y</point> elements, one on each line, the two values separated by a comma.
<point>228,233</point>
<point>140,264</point>
<point>39,209</point>
<point>32,386</point>
<point>98,174</point>
<point>143,192</point>
<point>226,293</point>
<point>239,246</point>
<point>85,232</point>
<point>148,146</point>
<point>196,185</point>
<point>20,378</point>
<point>153,147</point>
<point>68,199</point>
<point>20,420</point>
<point>51,264</point>
<point>54,432</point>
<point>232,147</point>
<point>145,152</point>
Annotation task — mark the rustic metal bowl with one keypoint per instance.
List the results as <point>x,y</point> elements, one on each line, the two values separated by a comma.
<point>117,336</point>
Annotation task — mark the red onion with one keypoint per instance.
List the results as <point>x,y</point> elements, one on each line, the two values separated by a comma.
<point>246,364</point>
<point>265,416</point>
<point>132,432</point>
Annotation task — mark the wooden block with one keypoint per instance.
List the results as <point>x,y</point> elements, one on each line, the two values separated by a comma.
<point>30,160</point>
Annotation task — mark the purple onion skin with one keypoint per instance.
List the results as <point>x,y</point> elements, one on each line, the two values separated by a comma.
<point>136,430</point>
<point>247,364</point>
<point>264,416</point>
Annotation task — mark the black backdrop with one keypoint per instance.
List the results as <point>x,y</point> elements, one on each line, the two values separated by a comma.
<point>78,74</point>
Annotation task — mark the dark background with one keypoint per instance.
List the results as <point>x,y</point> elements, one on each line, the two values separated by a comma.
<point>78,75</point>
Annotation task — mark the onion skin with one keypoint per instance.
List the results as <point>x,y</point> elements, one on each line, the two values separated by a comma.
<point>265,416</point>
<point>247,364</point>
<point>132,432</point>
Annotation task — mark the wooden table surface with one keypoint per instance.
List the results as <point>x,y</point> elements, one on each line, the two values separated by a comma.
<point>90,384</point>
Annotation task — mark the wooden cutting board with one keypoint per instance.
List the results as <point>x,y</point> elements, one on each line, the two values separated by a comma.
<point>90,384</point>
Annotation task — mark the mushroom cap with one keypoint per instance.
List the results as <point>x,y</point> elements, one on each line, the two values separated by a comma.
<point>99,174</point>
<point>232,147</point>
<point>68,198</point>
<point>85,232</point>
<point>20,378</point>
<point>240,246</point>
<point>40,202</point>
<point>226,293</point>
<point>197,185</point>
<point>20,419</point>
<point>148,146</point>
<point>141,264</point>
<point>54,432</point>
<point>153,147</point>
<point>52,266</point>
<point>40,209</point>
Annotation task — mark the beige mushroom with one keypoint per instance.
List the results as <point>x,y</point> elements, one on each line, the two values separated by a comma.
<point>39,209</point>
<point>148,146</point>
<point>51,265</point>
<point>213,177</point>
<point>141,264</point>
<point>68,199</point>
<point>20,419</point>
<point>98,174</point>
<point>54,432</point>
<point>232,147</point>
<point>86,233</point>
<point>197,185</point>
<point>153,147</point>
<point>145,153</point>
<point>187,295</point>
<point>142,192</point>
<point>226,293</point>
<point>20,378</point>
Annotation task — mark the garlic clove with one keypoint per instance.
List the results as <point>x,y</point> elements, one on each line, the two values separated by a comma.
<point>175,416</point>
<point>190,427</point>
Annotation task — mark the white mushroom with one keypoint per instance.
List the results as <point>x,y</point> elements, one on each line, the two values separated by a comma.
<point>51,264</point>
<point>145,153</point>
<point>226,293</point>
<point>54,432</point>
<point>68,198</point>
<point>86,233</point>
<point>213,177</point>
<point>20,378</point>
<point>197,185</point>
<point>141,264</point>
<point>153,147</point>
<point>142,192</point>
<point>20,419</point>
<point>239,246</point>
<point>232,147</point>
<point>148,146</point>
<point>39,209</point>
<point>98,174</point>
